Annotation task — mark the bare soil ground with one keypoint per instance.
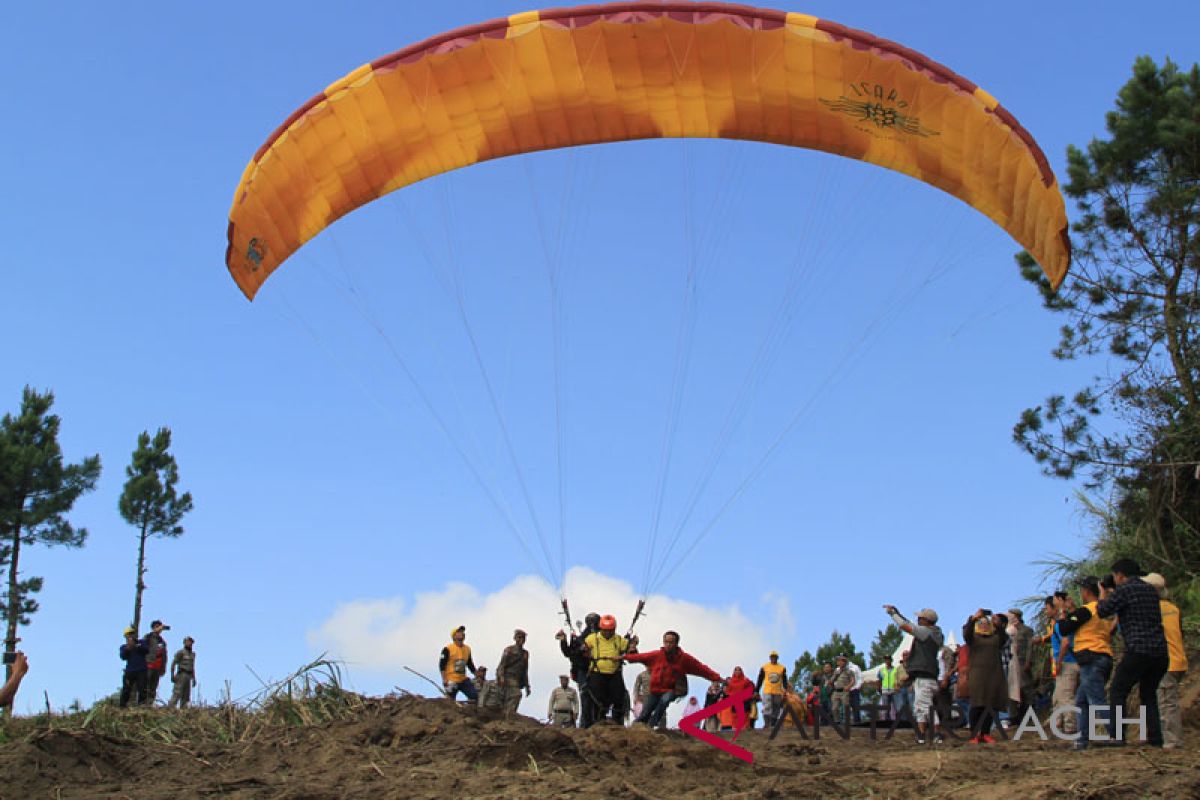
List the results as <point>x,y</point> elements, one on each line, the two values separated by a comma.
<point>411,747</point>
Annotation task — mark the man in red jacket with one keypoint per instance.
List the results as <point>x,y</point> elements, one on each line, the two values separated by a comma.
<point>668,667</point>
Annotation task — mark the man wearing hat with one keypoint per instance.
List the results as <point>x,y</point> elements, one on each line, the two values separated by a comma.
<point>456,666</point>
<point>564,704</point>
<point>772,680</point>
<point>840,683</point>
<point>133,681</point>
<point>156,659</point>
<point>1168,688</point>
<point>922,665</point>
<point>512,673</point>
<point>183,675</point>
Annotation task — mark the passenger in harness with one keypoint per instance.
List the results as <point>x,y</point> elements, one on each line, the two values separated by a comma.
<point>605,649</point>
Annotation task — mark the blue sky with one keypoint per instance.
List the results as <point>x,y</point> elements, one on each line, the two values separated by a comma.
<point>323,484</point>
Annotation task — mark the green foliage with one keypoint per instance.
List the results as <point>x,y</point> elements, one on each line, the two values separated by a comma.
<point>150,501</point>
<point>886,642</point>
<point>1133,300</point>
<point>1117,535</point>
<point>838,644</point>
<point>37,491</point>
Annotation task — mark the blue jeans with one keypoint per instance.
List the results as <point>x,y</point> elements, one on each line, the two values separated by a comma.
<point>467,687</point>
<point>655,707</point>
<point>1092,677</point>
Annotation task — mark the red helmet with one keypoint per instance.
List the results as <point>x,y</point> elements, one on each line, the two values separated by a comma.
<point>608,623</point>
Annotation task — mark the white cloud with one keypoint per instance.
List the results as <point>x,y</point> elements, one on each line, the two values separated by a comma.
<point>382,636</point>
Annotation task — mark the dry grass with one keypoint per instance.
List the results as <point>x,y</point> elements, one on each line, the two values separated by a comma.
<point>312,695</point>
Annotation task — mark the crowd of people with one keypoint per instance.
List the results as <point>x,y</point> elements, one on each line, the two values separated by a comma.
<point>988,679</point>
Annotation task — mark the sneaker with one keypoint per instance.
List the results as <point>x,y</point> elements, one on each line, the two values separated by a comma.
<point>987,739</point>
<point>1080,745</point>
<point>939,739</point>
<point>974,740</point>
<point>920,739</point>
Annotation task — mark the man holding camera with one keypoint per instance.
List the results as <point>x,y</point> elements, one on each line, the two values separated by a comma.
<point>133,681</point>
<point>156,660</point>
<point>1135,605</point>
<point>1092,643</point>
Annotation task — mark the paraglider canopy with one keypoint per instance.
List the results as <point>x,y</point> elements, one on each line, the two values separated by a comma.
<point>604,73</point>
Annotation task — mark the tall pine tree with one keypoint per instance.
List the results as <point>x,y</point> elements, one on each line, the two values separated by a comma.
<point>150,501</point>
<point>37,491</point>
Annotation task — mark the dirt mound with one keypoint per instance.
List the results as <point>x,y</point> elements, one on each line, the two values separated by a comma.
<point>416,748</point>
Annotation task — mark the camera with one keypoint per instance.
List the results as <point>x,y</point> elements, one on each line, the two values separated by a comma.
<point>10,658</point>
<point>987,612</point>
<point>1107,582</point>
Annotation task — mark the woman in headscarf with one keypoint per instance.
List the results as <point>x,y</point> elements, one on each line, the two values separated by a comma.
<point>986,683</point>
<point>739,682</point>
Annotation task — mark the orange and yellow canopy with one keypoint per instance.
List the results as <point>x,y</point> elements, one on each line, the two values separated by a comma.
<point>605,73</point>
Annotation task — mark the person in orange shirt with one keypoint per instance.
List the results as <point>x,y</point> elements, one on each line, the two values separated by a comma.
<point>1168,688</point>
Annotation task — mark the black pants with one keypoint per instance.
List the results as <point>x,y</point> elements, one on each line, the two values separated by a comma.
<point>587,706</point>
<point>1144,672</point>
<point>608,694</point>
<point>133,685</point>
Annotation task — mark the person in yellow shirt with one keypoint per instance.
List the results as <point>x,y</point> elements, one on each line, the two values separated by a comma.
<point>604,650</point>
<point>457,667</point>
<point>1168,689</point>
<point>770,686</point>
<point>1093,653</point>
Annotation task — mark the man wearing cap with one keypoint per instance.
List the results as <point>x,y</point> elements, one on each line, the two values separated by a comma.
<point>1135,605</point>
<point>923,663</point>
<point>133,681</point>
<point>512,673</point>
<point>156,660</point>
<point>772,680</point>
<point>839,699</point>
<point>564,704</point>
<point>456,666</point>
<point>1168,688</point>
<point>489,693</point>
<point>183,675</point>
<point>1091,641</point>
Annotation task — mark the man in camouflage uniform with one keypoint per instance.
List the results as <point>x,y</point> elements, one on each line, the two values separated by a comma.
<point>843,680</point>
<point>183,675</point>
<point>489,692</point>
<point>512,673</point>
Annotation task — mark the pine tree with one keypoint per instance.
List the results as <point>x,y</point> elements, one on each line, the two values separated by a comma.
<point>37,491</point>
<point>839,644</point>
<point>1133,300</point>
<point>886,642</point>
<point>150,501</point>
